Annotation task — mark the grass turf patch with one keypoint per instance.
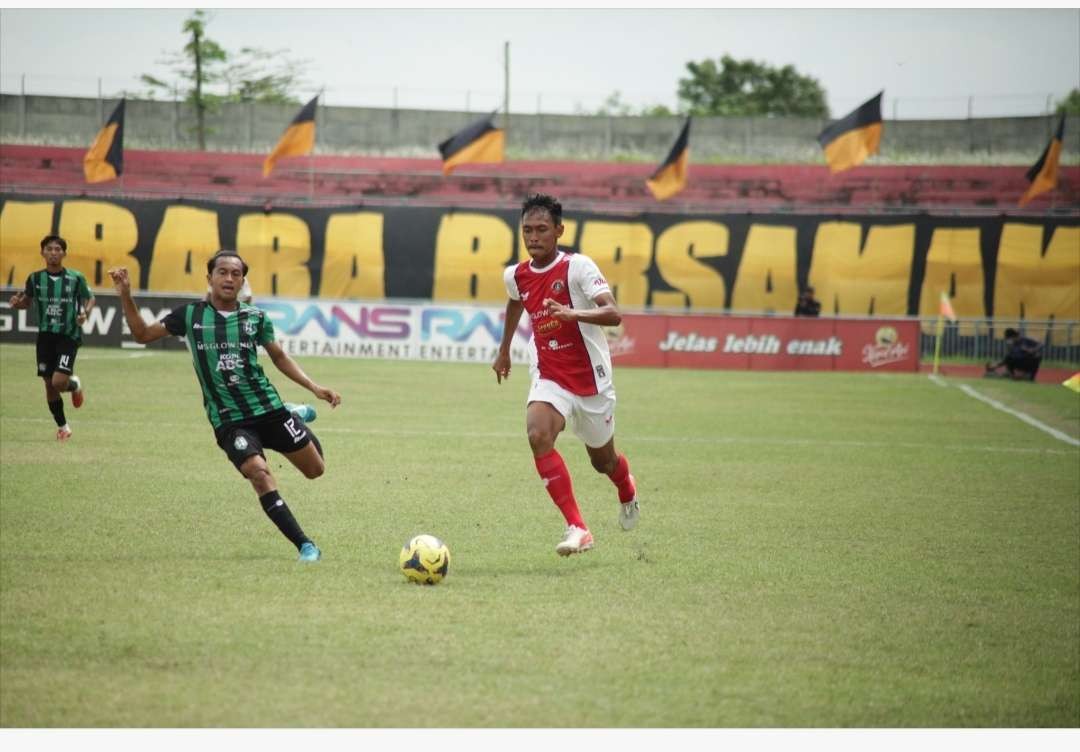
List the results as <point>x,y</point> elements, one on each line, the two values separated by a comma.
<point>816,549</point>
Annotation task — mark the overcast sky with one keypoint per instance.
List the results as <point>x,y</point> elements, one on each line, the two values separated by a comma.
<point>929,62</point>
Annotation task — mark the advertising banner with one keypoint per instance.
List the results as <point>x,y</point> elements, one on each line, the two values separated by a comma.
<point>888,265</point>
<point>765,343</point>
<point>345,328</point>
<point>471,334</point>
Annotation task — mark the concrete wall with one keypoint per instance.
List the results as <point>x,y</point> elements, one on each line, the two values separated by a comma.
<point>71,121</point>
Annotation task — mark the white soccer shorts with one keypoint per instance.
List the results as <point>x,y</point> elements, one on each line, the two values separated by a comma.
<point>592,418</point>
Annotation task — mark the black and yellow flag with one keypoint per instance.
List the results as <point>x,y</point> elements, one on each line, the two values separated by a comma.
<point>105,159</point>
<point>297,140</point>
<point>1044,173</point>
<point>478,142</point>
<point>854,137</point>
<point>670,176</point>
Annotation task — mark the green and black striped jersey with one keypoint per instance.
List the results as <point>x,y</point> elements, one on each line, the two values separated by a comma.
<point>58,298</point>
<point>223,350</point>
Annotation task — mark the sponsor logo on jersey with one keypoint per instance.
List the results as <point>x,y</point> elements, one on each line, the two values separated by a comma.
<point>546,327</point>
<point>229,361</point>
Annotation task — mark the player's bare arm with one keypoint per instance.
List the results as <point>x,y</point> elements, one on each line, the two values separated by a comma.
<point>284,363</point>
<point>85,312</point>
<point>141,332</point>
<point>605,314</point>
<point>501,366</point>
<point>19,301</point>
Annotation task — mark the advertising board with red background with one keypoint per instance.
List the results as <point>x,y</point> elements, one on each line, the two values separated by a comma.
<point>765,343</point>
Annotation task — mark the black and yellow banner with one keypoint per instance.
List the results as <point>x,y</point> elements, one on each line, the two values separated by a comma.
<point>1043,175</point>
<point>854,137</point>
<point>479,142</point>
<point>670,176</point>
<point>886,265</point>
<point>298,139</point>
<point>105,159</point>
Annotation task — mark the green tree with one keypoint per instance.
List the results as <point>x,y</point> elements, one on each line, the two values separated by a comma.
<point>203,68</point>
<point>257,75</point>
<point>749,88</point>
<point>1070,105</point>
<point>614,105</point>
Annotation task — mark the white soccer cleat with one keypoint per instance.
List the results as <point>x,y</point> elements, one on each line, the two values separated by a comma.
<point>628,512</point>
<point>575,541</point>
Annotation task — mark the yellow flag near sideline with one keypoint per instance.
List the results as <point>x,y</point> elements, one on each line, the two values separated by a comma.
<point>297,140</point>
<point>946,309</point>
<point>1073,382</point>
<point>105,159</point>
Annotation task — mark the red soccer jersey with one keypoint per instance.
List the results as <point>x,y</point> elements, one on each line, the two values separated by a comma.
<point>573,355</point>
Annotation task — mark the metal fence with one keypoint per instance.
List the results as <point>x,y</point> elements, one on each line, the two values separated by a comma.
<point>982,340</point>
<point>249,127</point>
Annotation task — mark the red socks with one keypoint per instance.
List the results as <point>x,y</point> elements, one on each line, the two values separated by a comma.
<point>620,476</point>
<point>556,479</point>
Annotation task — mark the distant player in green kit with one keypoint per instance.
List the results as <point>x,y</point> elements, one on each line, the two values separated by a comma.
<point>62,300</point>
<point>244,408</point>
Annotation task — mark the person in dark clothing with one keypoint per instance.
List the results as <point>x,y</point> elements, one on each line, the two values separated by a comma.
<point>806,304</point>
<point>1022,358</point>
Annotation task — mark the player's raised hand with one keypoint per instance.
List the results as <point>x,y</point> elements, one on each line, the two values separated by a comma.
<point>119,276</point>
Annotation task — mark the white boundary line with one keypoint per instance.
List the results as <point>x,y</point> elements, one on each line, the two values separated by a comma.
<point>1022,416</point>
<point>971,392</point>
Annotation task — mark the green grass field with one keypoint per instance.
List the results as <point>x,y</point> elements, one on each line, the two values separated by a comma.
<point>816,550</point>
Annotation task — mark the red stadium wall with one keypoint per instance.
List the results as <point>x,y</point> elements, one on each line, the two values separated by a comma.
<point>356,180</point>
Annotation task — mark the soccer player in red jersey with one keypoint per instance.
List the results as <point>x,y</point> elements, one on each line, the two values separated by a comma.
<point>567,300</point>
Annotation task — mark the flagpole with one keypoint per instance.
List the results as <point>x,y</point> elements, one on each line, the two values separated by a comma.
<point>937,340</point>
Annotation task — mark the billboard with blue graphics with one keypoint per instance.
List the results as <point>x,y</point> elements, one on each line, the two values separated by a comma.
<point>342,328</point>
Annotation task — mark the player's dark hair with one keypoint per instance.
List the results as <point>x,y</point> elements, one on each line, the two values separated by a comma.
<point>224,254</point>
<point>1011,333</point>
<point>543,201</point>
<point>53,238</point>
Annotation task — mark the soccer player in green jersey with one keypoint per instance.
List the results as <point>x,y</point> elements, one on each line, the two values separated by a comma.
<point>244,408</point>
<point>62,300</point>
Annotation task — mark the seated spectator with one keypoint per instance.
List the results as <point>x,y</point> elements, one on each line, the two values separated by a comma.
<point>806,305</point>
<point>1021,360</point>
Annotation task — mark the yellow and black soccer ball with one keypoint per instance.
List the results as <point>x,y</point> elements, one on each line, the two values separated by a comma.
<point>424,560</point>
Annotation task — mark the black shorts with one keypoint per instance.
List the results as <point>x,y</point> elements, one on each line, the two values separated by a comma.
<point>1029,364</point>
<point>55,352</point>
<point>279,430</point>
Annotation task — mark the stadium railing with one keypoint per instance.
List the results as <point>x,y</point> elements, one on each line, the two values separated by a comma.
<point>981,340</point>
